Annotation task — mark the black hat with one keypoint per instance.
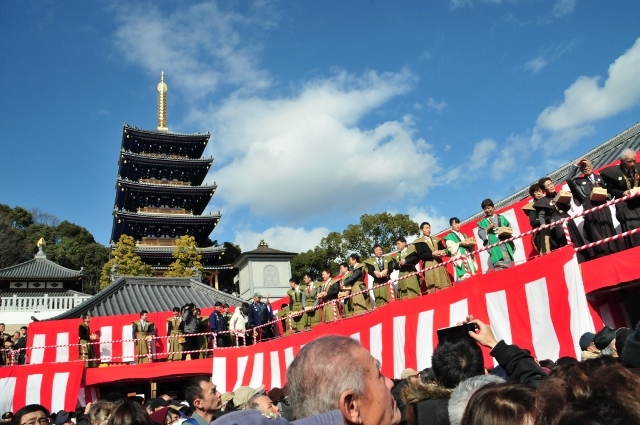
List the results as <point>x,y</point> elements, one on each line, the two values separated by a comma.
<point>7,415</point>
<point>586,339</point>
<point>62,417</point>
<point>604,337</point>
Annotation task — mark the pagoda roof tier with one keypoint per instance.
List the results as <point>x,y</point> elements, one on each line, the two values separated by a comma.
<point>158,257</point>
<point>164,142</point>
<point>139,225</point>
<point>139,165</point>
<point>132,195</point>
<point>39,269</point>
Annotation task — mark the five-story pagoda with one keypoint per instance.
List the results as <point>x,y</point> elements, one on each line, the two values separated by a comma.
<point>159,192</point>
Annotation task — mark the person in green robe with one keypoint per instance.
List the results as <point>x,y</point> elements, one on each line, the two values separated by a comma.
<point>406,260</point>
<point>174,332</point>
<point>380,268</point>
<point>297,302</point>
<point>87,349</point>
<point>143,332</point>
<point>501,255</point>
<point>311,290</point>
<point>360,302</point>
<point>459,245</point>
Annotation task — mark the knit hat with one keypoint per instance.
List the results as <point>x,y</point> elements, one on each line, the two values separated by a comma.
<point>256,417</point>
<point>407,373</point>
<point>631,351</point>
<point>159,415</point>
<point>586,339</point>
<point>242,395</point>
<point>604,337</point>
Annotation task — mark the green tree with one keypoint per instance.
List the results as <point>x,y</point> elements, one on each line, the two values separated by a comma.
<point>186,257</point>
<point>13,248</point>
<point>21,218</point>
<point>127,262</point>
<point>359,238</point>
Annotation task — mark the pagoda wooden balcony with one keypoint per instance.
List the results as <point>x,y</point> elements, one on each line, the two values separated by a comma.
<point>165,155</point>
<point>165,182</point>
<point>157,241</point>
<point>151,210</point>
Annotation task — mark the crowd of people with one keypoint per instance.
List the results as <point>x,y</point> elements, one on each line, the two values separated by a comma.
<point>13,346</point>
<point>589,190</point>
<point>334,380</point>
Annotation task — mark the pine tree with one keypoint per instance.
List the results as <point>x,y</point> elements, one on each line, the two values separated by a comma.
<point>186,257</point>
<point>127,262</point>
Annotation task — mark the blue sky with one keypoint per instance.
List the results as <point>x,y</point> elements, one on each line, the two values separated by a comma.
<point>320,111</point>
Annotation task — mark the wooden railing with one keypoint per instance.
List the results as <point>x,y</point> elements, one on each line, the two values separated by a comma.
<point>157,241</point>
<point>165,155</point>
<point>46,302</point>
<point>164,210</point>
<point>165,182</point>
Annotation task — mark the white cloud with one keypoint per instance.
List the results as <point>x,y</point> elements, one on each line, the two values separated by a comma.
<point>282,238</point>
<point>438,106</point>
<point>586,101</point>
<point>460,3</point>
<point>563,7</point>
<point>420,214</point>
<point>294,155</point>
<point>199,46</point>
<point>549,54</point>
<point>482,153</point>
<point>536,64</point>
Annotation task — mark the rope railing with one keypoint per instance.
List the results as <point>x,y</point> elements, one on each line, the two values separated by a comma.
<point>254,331</point>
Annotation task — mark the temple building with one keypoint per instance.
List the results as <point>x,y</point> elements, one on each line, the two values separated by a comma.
<point>264,270</point>
<point>38,288</point>
<point>160,195</point>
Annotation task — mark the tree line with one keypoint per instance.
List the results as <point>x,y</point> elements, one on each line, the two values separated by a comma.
<point>382,229</point>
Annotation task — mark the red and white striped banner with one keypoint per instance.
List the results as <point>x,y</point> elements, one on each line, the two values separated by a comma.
<point>54,386</point>
<point>540,306</point>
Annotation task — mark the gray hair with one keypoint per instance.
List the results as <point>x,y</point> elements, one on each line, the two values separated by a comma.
<point>610,350</point>
<point>627,152</point>
<point>252,404</point>
<point>321,372</point>
<point>100,411</point>
<point>463,392</point>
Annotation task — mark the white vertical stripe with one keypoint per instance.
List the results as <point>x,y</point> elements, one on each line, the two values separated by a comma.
<point>458,312</point>
<point>581,320</point>
<point>219,373</point>
<point>520,254</point>
<point>375,339</point>
<point>257,373</point>
<point>485,263</point>
<point>276,380</point>
<point>499,315</point>
<point>59,391</point>
<point>356,336</point>
<point>37,354</point>
<point>607,317</point>
<point>424,339</point>
<point>128,347</point>
<point>242,366</point>
<point>106,347</point>
<point>82,397</point>
<point>288,356</point>
<point>7,388</point>
<point>545,340</point>
<point>62,349</point>
<point>399,337</point>
<point>34,384</point>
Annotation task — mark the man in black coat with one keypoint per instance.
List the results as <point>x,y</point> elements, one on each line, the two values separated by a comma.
<point>620,180</point>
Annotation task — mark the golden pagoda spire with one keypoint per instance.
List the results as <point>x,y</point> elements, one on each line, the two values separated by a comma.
<point>162,104</point>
